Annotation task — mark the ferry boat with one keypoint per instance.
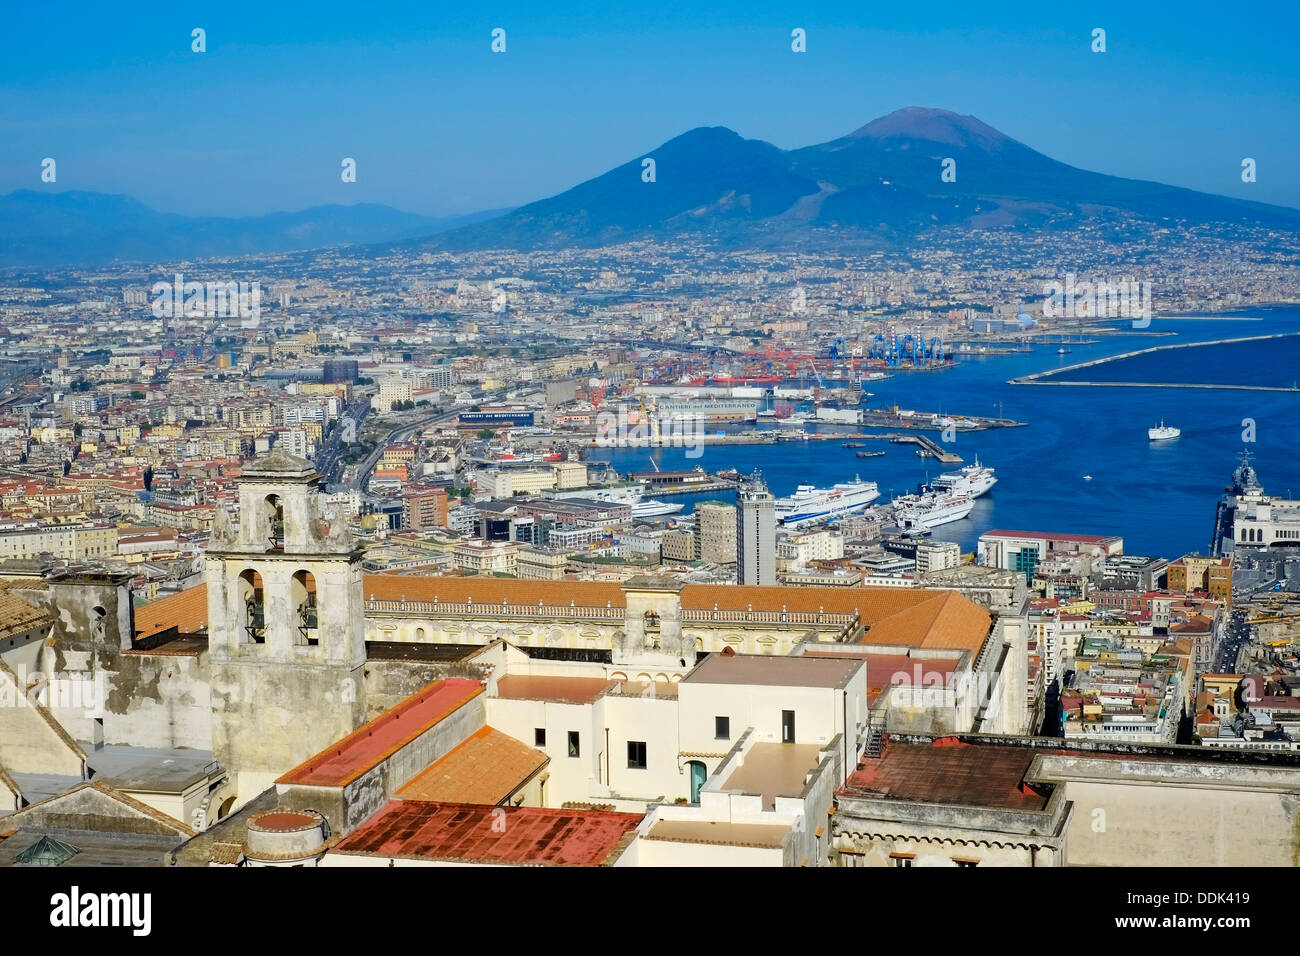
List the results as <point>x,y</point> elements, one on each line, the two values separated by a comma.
<point>973,480</point>
<point>1163,432</point>
<point>932,510</point>
<point>809,503</point>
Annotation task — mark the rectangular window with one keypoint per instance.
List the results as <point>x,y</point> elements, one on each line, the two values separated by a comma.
<point>722,728</point>
<point>902,859</point>
<point>539,737</point>
<point>636,754</point>
<point>965,861</point>
<point>573,744</point>
<point>787,726</point>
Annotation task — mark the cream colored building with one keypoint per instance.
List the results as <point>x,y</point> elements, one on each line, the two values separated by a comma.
<point>487,557</point>
<point>569,475</point>
<point>78,541</point>
<point>504,484</point>
<point>392,389</point>
<point>532,564</point>
<point>801,549</point>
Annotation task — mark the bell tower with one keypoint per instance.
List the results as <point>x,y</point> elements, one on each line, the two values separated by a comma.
<point>285,625</point>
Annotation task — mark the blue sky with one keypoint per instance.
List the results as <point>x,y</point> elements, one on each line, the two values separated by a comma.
<point>439,124</point>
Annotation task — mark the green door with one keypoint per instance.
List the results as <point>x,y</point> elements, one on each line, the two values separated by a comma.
<point>698,775</point>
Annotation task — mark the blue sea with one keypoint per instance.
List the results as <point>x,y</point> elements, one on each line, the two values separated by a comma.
<point>1159,497</point>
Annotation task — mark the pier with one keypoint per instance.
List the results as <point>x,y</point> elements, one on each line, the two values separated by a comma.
<point>934,421</point>
<point>929,447</point>
<point>1048,377</point>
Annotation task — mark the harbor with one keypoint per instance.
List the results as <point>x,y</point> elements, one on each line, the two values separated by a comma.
<point>1049,468</point>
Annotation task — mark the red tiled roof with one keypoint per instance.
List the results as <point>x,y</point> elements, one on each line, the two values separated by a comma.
<point>344,761</point>
<point>186,610</point>
<point>487,768</point>
<point>949,771</point>
<point>905,617</point>
<point>474,833</point>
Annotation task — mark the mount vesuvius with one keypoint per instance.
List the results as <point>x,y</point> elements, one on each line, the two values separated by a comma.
<point>881,181</point>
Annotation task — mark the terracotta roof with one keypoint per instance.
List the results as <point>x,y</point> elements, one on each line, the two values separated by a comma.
<point>17,615</point>
<point>907,617</point>
<point>464,590</point>
<point>227,854</point>
<point>487,768</point>
<point>372,743</point>
<point>949,771</point>
<point>416,829</point>
<point>186,610</point>
<point>945,620</point>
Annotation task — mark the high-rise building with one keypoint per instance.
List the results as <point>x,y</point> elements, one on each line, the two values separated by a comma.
<point>424,509</point>
<point>755,532</point>
<point>715,532</point>
<point>339,371</point>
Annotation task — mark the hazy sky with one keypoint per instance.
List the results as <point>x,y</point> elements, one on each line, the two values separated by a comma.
<point>439,124</point>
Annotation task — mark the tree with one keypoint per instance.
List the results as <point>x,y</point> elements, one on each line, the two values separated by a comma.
<point>485,434</point>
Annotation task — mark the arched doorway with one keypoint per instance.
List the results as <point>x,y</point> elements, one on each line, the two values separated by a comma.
<point>699,773</point>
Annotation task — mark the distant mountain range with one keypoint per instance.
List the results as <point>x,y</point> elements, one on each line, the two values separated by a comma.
<point>883,180</point>
<point>86,228</point>
<point>881,183</point>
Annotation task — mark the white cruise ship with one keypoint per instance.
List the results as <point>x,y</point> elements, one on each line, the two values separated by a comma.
<point>809,503</point>
<point>973,480</point>
<point>1163,432</point>
<point>654,509</point>
<point>613,494</point>
<point>923,512</point>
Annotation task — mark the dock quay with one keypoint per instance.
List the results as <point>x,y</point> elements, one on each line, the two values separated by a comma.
<point>932,421</point>
<point>1050,376</point>
<point>929,447</point>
